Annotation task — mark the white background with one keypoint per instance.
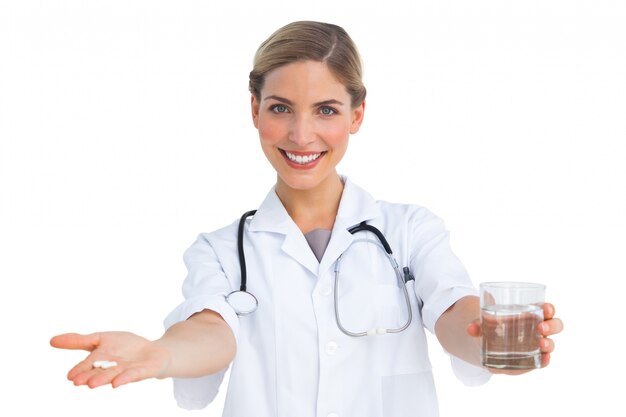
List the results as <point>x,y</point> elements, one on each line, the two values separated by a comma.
<point>125,132</point>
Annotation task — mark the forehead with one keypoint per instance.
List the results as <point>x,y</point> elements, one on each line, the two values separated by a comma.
<point>304,80</point>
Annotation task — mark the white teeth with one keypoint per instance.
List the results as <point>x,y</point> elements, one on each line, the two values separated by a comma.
<point>302,159</point>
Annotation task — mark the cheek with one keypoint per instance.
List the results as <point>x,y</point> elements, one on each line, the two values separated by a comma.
<point>336,134</point>
<point>270,132</point>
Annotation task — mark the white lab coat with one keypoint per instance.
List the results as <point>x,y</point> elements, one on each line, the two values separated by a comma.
<point>292,360</point>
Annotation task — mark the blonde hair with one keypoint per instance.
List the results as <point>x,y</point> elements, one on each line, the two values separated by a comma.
<point>316,41</point>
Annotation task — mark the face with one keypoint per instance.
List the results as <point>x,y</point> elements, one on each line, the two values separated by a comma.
<point>304,118</point>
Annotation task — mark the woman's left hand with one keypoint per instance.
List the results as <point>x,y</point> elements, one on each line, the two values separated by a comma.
<point>548,327</point>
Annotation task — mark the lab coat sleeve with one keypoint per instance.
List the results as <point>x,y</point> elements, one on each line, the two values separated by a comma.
<point>205,287</point>
<point>470,375</point>
<point>440,280</point>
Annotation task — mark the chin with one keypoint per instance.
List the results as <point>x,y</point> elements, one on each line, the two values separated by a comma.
<point>303,181</point>
<point>300,184</point>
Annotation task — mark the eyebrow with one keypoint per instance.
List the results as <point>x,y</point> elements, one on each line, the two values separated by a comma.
<point>289,102</point>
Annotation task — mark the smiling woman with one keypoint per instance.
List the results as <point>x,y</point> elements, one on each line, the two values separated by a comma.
<point>289,354</point>
<point>307,98</point>
<point>304,127</point>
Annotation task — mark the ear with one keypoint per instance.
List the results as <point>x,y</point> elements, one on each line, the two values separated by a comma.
<point>254,106</point>
<point>357,118</point>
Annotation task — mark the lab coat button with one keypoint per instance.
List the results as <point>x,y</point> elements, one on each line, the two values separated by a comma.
<point>326,290</point>
<point>331,348</point>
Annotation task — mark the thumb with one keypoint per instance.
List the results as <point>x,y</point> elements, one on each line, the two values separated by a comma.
<point>76,341</point>
<point>473,329</point>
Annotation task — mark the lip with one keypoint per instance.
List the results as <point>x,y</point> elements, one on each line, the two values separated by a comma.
<point>295,165</point>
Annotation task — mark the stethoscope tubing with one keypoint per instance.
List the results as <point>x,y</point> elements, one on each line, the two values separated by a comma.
<point>401,281</point>
<point>242,258</point>
<point>251,303</point>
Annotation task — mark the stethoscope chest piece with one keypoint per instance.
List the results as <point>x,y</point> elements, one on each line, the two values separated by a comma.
<point>242,302</point>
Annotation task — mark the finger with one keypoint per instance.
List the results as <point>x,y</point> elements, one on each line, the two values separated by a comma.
<point>81,378</point>
<point>76,341</point>
<point>473,329</point>
<point>130,375</point>
<point>86,374</point>
<point>546,345</point>
<point>545,359</point>
<point>83,366</point>
<point>103,376</point>
<point>550,327</point>
<point>548,311</point>
<point>488,298</point>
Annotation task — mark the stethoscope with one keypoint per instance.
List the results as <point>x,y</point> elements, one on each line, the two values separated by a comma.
<point>244,302</point>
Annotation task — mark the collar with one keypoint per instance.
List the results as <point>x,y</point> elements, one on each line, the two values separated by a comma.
<point>356,205</point>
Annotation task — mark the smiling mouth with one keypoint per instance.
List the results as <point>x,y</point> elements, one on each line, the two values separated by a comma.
<point>301,158</point>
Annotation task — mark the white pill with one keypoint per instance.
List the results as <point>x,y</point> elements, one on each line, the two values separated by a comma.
<point>104,364</point>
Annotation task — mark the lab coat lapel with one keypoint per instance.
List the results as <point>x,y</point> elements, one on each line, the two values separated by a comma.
<point>356,206</point>
<point>296,246</point>
<point>272,217</point>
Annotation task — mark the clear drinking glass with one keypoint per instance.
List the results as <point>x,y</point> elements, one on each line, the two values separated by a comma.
<point>510,315</point>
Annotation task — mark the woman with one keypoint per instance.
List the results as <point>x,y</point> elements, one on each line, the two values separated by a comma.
<point>317,284</point>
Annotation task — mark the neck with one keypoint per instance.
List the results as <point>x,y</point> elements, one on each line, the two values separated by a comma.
<point>314,208</point>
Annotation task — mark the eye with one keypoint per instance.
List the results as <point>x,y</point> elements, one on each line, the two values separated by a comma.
<point>327,111</point>
<point>279,108</point>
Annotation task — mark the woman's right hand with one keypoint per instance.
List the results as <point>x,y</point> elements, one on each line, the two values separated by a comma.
<point>137,358</point>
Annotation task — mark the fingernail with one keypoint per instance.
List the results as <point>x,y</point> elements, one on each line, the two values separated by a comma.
<point>545,327</point>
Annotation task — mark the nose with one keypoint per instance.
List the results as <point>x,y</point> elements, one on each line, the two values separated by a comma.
<point>301,131</point>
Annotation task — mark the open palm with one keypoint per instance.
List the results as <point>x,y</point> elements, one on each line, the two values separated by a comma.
<point>137,358</point>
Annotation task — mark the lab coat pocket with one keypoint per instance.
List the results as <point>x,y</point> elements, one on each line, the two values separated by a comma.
<point>379,306</point>
<point>392,306</point>
<point>409,395</point>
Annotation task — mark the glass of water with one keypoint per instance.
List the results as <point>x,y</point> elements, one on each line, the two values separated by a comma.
<point>510,315</point>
